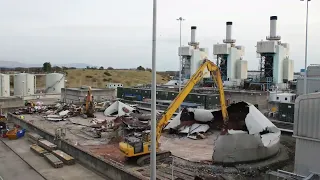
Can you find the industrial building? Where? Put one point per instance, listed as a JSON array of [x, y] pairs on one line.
[[4, 85], [54, 83], [192, 56], [230, 57], [24, 84], [275, 65], [313, 80]]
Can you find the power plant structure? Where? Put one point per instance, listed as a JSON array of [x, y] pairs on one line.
[[4, 85], [230, 57], [275, 65], [54, 83], [192, 56], [24, 84]]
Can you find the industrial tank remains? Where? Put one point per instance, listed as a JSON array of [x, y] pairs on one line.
[[24, 84], [54, 82], [4, 85]]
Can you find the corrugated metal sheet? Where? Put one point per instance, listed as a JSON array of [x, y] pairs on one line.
[[307, 132], [307, 157], [307, 116]]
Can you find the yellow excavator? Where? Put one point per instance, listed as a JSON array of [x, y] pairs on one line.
[[139, 146]]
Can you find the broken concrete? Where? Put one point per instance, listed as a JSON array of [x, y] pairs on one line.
[[260, 141]]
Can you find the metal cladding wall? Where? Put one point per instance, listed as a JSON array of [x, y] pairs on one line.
[[313, 85], [313, 71], [307, 132]]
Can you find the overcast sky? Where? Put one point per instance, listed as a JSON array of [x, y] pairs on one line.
[[118, 33]]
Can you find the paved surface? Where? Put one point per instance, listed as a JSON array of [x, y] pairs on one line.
[[73, 172], [12, 167]]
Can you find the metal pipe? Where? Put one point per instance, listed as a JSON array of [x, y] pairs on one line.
[[180, 58], [306, 52], [153, 169]]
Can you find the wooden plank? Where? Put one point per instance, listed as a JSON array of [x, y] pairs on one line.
[[53, 160], [38, 150], [64, 157], [47, 145], [33, 137]]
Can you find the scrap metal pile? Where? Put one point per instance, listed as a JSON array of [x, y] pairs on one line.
[[196, 122], [128, 117], [57, 112]]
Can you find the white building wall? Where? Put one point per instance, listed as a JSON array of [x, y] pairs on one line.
[[288, 70], [194, 61], [242, 69], [278, 65], [232, 63], [4, 85], [23, 84]]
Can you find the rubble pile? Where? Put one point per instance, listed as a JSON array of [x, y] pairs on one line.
[[196, 122], [56, 112]]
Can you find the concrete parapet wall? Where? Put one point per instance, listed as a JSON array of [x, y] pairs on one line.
[[11, 102], [78, 95], [260, 98], [107, 169], [42, 96], [147, 105]]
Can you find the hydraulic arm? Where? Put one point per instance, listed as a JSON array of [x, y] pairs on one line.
[[134, 146]]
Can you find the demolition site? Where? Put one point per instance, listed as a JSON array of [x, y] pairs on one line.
[[219, 122]]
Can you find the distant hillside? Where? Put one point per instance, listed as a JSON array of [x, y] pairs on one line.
[[100, 78], [15, 64]]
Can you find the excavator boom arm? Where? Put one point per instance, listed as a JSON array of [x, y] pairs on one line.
[[215, 73]]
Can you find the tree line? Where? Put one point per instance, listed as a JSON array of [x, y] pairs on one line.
[[48, 68]]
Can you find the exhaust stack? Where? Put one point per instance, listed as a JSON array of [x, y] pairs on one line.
[[193, 34], [193, 37], [273, 29], [229, 34]]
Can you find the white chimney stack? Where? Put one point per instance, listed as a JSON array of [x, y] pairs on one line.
[[193, 37], [229, 34], [193, 34], [273, 29]]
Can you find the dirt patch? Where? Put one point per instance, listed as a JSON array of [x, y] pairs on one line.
[[108, 152]]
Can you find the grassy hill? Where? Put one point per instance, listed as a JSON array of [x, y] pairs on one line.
[[99, 78]]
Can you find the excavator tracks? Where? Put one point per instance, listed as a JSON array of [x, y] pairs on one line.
[[143, 160]]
